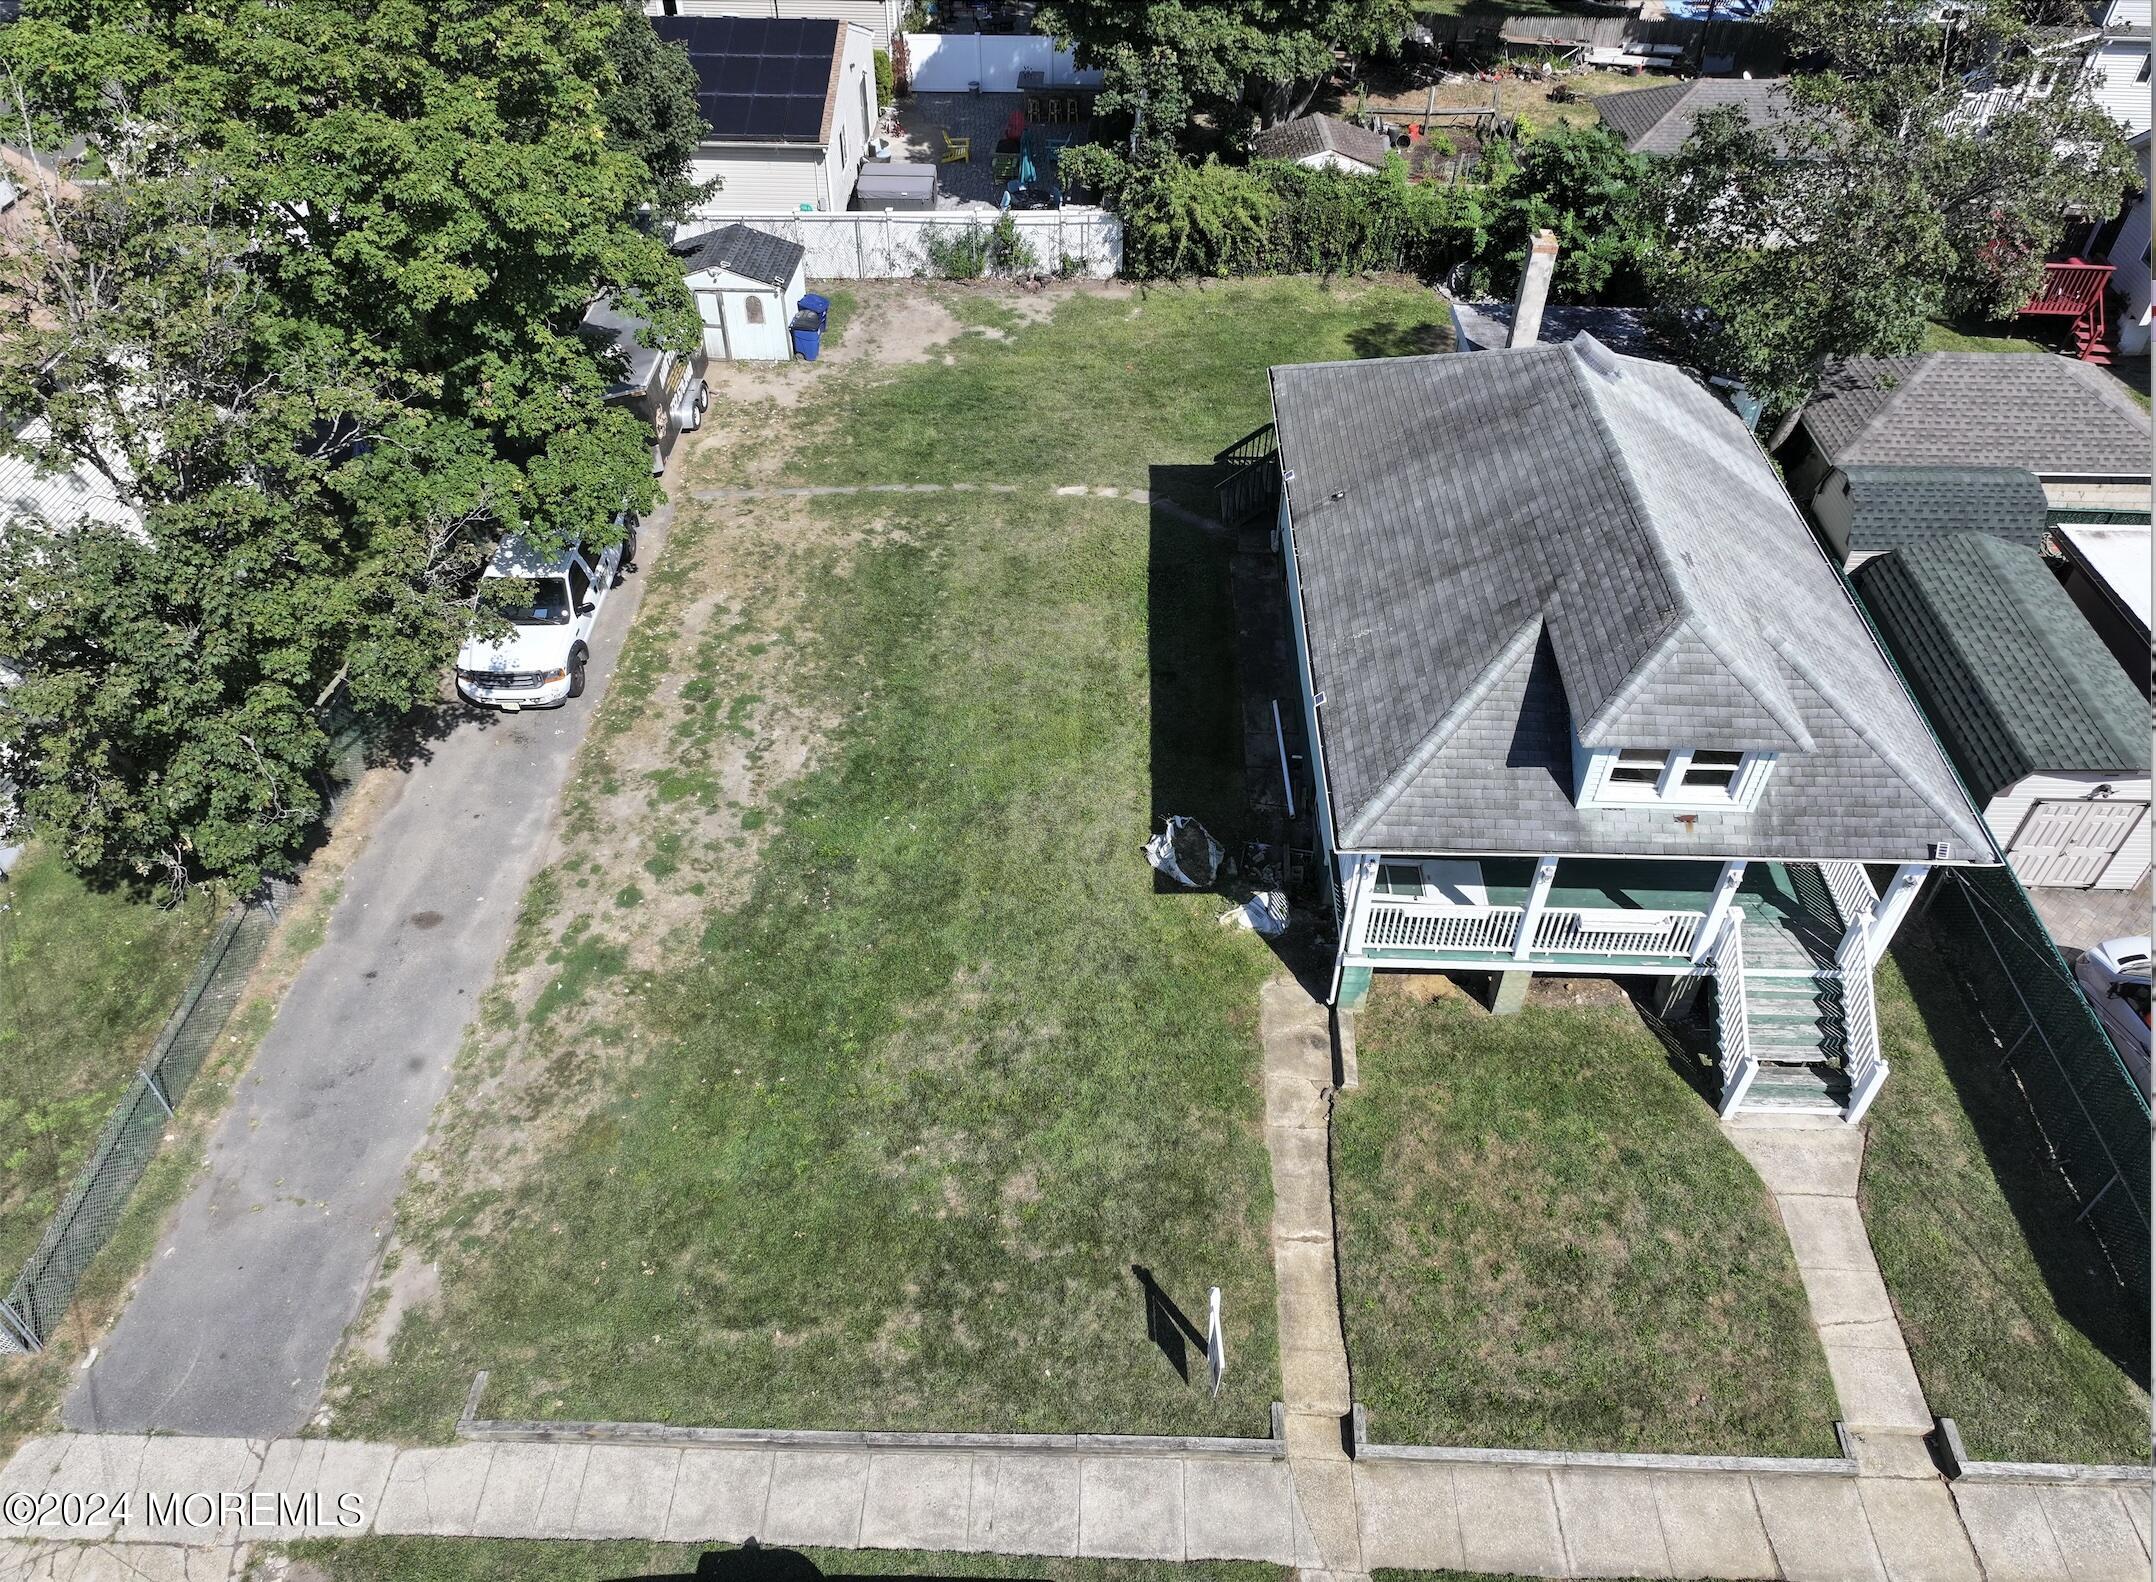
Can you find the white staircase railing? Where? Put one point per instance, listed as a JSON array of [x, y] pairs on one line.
[[1866, 1068], [1739, 1065], [1852, 890]]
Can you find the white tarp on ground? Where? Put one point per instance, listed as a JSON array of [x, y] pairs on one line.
[[889, 245], [953, 62], [1265, 913], [1185, 853]]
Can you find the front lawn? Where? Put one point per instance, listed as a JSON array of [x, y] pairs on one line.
[[2017, 1328], [1546, 1243], [538, 1560], [936, 1079], [90, 977]]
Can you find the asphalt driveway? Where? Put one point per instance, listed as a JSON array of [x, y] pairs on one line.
[[233, 1326]]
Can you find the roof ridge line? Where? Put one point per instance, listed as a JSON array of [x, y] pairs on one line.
[[1957, 818], [1925, 361], [1448, 724]]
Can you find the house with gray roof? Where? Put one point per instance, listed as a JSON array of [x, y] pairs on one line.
[[2050, 736], [2070, 423], [1323, 142], [1656, 121], [1585, 696], [1867, 510]]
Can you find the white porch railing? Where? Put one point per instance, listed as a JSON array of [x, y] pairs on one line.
[[1571, 931], [1558, 931], [1407, 926], [1739, 1065], [1851, 888], [1866, 1068]]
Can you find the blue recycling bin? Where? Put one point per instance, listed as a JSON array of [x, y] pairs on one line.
[[807, 332], [818, 305]]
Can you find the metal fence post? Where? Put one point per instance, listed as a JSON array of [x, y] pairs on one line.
[[17, 1331]]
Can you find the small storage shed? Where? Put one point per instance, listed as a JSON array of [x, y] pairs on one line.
[[1866, 511], [2050, 736], [747, 284]]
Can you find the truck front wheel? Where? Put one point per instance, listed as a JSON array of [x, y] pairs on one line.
[[576, 671]]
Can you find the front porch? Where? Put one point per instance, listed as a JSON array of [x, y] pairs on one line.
[[1789, 948], [1597, 915]]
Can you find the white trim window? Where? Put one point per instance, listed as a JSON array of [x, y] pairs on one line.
[[1705, 778]]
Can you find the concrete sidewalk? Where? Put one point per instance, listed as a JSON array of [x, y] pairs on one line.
[[1531, 1520], [233, 1325]]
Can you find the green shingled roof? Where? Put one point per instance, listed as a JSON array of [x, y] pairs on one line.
[[1893, 506], [2015, 681]]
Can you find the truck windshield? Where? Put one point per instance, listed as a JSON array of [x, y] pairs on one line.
[[527, 601]]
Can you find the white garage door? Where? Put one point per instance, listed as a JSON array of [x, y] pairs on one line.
[[2069, 844]]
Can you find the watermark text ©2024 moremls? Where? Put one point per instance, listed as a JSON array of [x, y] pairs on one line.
[[201, 1510]]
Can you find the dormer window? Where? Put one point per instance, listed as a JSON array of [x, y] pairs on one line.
[[1705, 778]]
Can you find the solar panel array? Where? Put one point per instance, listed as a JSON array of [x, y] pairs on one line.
[[758, 77]]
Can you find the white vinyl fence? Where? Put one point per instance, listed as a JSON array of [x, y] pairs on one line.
[[891, 245], [954, 62]]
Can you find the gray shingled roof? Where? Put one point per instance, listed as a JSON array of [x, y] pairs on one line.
[[1320, 134], [2054, 416], [1893, 506], [2014, 679], [745, 250], [1657, 120], [1500, 550]]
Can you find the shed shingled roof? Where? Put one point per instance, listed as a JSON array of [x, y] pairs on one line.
[[2053, 416], [1501, 550], [1893, 506], [1321, 134], [2014, 679], [1657, 120], [754, 254]]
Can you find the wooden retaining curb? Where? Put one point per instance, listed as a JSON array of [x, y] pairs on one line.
[[473, 1427], [1632, 1461], [1961, 1469]]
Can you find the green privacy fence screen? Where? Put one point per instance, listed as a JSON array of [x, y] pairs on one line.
[[2091, 1111]]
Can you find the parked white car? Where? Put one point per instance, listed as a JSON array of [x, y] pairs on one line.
[[2116, 977], [552, 604]]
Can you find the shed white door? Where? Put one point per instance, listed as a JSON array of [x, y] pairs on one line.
[[710, 306], [2069, 844]]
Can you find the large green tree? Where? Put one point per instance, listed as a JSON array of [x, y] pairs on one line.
[[1168, 61], [315, 324], [1582, 183]]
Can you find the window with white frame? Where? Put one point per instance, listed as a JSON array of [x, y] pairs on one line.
[[1681, 777]]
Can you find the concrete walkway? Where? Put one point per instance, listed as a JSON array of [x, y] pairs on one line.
[[1558, 1521], [233, 1325], [1297, 1035]]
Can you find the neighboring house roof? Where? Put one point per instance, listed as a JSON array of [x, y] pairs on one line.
[[1320, 134], [2013, 678], [762, 79], [1658, 120], [1632, 331], [2116, 556], [1502, 552], [2054, 416], [744, 250], [64, 497], [1893, 506]]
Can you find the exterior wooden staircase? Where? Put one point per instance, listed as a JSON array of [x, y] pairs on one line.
[[2075, 292]]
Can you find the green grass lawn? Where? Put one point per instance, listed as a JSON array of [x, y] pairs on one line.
[[90, 978], [2035, 1358], [925, 1099], [1978, 338], [538, 1560], [1119, 383], [1546, 1243]]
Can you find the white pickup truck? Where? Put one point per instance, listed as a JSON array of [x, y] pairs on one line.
[[551, 604]]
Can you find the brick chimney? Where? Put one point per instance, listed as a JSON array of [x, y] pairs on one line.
[[1534, 289]]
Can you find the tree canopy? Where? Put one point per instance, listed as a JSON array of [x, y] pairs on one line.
[[1167, 61], [317, 325]]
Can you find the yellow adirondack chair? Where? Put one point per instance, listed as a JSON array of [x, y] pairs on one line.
[[957, 150]]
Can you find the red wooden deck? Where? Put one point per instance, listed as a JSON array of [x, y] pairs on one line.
[[2075, 291]]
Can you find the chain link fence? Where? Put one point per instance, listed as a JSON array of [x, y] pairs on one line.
[[2088, 1105], [39, 1298]]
